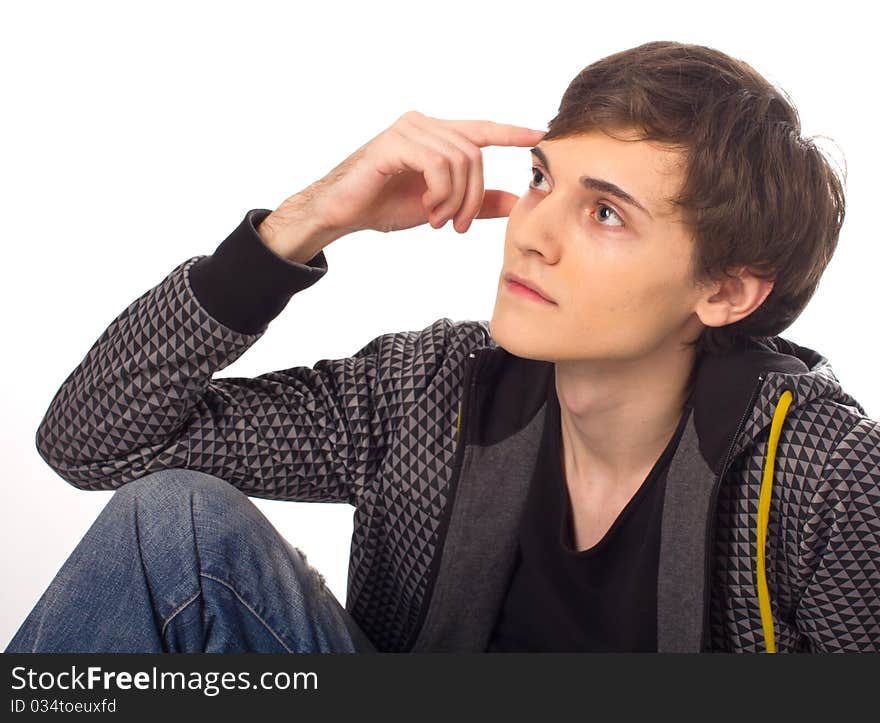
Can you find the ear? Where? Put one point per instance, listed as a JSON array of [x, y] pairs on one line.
[[732, 298]]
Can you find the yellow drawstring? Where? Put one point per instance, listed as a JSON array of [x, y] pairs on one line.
[[458, 423], [764, 515]]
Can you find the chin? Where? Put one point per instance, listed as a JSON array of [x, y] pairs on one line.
[[515, 338]]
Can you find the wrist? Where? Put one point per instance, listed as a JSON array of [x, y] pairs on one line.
[[295, 232]]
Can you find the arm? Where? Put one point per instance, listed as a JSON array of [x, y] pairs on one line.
[[840, 608], [143, 398]]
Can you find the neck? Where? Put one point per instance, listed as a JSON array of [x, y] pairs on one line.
[[618, 416]]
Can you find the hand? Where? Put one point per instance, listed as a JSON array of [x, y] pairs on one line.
[[419, 170]]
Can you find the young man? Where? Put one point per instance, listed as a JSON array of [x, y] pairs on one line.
[[627, 457]]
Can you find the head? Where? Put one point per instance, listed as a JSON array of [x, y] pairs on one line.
[[672, 204]]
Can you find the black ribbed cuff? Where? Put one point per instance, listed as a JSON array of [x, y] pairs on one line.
[[244, 284]]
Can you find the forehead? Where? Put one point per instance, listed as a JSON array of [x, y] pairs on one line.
[[649, 171]]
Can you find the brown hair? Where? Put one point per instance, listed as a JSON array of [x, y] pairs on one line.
[[755, 193]]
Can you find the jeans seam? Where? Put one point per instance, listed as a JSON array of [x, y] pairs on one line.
[[252, 611], [154, 608], [175, 612]]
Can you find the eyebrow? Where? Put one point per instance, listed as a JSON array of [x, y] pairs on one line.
[[599, 184]]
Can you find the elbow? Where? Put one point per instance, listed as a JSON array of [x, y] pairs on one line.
[[43, 441]]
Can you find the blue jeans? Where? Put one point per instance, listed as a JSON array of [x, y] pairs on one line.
[[181, 561]]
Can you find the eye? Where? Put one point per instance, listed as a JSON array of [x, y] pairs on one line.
[[599, 207], [536, 170]]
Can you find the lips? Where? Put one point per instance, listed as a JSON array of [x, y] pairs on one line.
[[528, 284]]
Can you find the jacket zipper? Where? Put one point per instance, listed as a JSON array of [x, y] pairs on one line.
[[710, 526], [470, 385]]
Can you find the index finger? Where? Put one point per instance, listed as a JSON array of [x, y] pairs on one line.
[[489, 133]]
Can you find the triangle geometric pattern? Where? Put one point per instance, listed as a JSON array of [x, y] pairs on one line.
[[822, 554]]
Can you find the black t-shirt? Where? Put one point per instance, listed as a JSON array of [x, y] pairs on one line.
[[603, 599]]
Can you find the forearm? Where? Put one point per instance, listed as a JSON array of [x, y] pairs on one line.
[[296, 230]]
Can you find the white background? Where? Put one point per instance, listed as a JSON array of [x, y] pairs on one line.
[[135, 137]]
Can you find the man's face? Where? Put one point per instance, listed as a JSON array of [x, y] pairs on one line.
[[620, 276]]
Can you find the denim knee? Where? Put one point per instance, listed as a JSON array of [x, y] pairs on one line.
[[178, 482], [174, 494], [185, 520], [236, 547], [183, 505]]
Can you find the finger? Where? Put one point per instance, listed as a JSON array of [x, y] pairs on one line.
[[488, 133], [497, 204], [463, 208], [473, 197], [450, 146], [432, 164]]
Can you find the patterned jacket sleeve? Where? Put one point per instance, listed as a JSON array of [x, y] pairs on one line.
[[143, 398], [839, 610]]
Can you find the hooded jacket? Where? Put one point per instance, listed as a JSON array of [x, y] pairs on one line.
[[770, 533]]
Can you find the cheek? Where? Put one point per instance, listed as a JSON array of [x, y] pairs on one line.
[[637, 292], [663, 300], [604, 280]]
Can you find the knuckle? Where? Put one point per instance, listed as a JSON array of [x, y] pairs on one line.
[[459, 157], [435, 159]]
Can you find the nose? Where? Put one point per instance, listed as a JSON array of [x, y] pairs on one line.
[[537, 227]]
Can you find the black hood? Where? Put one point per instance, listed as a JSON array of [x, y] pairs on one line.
[[725, 384]]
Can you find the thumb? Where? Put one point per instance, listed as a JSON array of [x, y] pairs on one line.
[[497, 204]]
